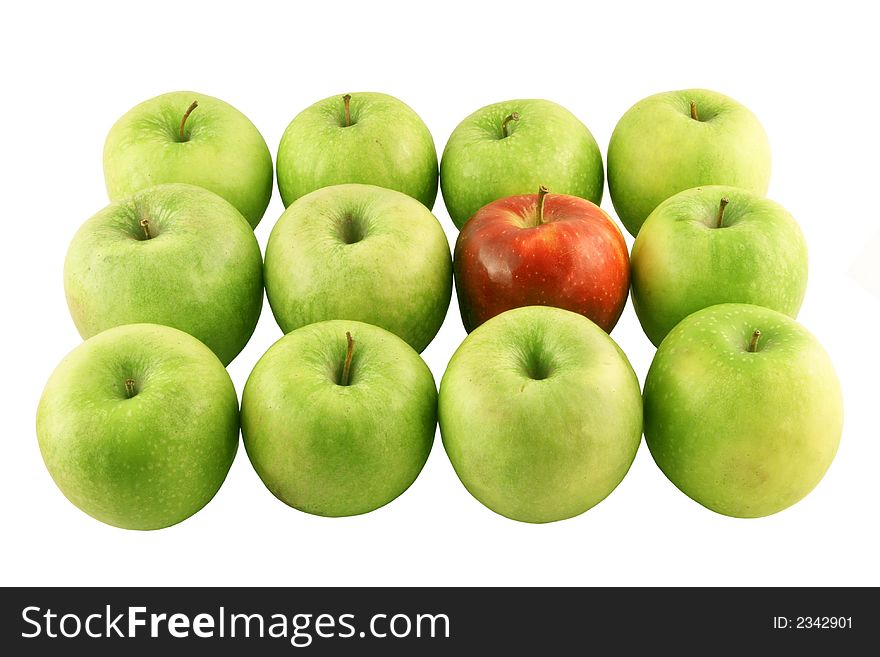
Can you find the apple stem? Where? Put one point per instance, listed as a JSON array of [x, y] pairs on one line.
[[753, 345], [542, 192], [694, 111], [346, 367], [129, 388], [189, 110], [145, 224], [346, 100], [719, 222], [514, 116]]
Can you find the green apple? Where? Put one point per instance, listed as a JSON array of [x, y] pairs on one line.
[[138, 426], [540, 413], [174, 254], [188, 137], [743, 410], [338, 417], [368, 138], [514, 147], [364, 253], [712, 245], [677, 140]]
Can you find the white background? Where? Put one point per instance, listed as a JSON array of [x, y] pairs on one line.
[[69, 70]]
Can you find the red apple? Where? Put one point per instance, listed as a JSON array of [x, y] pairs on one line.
[[541, 250]]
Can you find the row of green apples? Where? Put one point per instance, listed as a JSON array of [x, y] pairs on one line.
[[116, 275], [664, 144], [540, 414]]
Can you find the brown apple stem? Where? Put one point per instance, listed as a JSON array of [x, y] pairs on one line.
[[753, 345], [719, 221], [346, 100], [694, 111], [514, 116], [346, 367], [542, 192], [129, 388], [145, 224], [189, 110]]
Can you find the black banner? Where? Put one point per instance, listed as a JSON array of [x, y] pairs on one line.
[[407, 621]]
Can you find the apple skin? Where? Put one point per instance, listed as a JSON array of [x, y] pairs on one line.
[[223, 151], [576, 258], [364, 253], [548, 145], [743, 433], [332, 449], [540, 414], [201, 271], [387, 145], [144, 461], [658, 150], [682, 262]]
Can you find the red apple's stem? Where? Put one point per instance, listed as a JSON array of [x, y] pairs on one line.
[[189, 110], [145, 224], [346, 367], [719, 221], [753, 345], [129, 387], [542, 192], [346, 100], [694, 111], [514, 116]]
